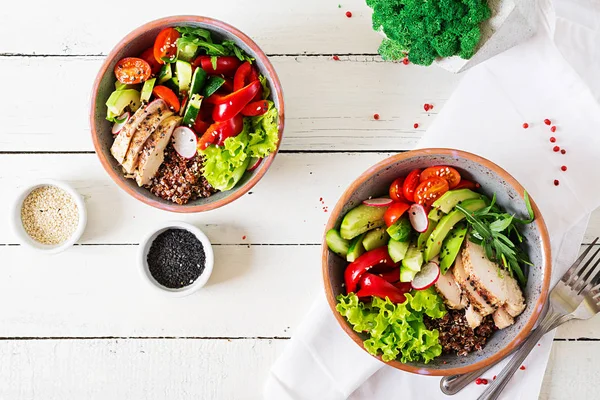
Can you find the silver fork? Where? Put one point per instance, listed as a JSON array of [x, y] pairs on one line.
[[575, 296]]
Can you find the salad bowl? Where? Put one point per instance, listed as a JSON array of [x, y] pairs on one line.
[[134, 44], [510, 195]]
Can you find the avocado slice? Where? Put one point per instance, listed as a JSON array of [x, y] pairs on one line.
[[336, 243], [361, 219], [147, 90], [119, 99], [356, 248], [375, 238], [397, 250], [434, 242], [425, 235], [451, 246], [452, 197]]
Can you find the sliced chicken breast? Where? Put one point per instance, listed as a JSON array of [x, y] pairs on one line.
[[479, 303], [121, 144], [141, 135], [491, 282], [153, 153], [502, 319], [452, 294], [474, 319]]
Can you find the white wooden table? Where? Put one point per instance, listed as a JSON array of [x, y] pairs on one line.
[[81, 325]]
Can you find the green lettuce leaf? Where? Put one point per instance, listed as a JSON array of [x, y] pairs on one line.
[[224, 166], [396, 330], [264, 132]]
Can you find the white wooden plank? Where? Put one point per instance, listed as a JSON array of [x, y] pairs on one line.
[[290, 191], [98, 291], [312, 26], [329, 104], [136, 369], [572, 371]]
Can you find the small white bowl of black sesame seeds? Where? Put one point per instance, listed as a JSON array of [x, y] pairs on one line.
[[49, 216], [176, 259]]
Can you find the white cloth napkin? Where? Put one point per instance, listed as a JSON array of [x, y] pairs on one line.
[[550, 76]]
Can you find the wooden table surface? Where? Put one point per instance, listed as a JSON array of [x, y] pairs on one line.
[[82, 325]]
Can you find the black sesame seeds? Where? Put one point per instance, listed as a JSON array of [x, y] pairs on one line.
[[176, 258]]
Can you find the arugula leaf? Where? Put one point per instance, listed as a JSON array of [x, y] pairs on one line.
[[529, 211], [501, 224]]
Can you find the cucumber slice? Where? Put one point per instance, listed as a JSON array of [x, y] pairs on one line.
[[192, 109], [422, 240], [120, 99], [213, 84], [336, 243], [165, 74], [356, 249], [183, 72], [413, 259], [397, 250], [407, 275], [361, 219], [122, 86], [401, 229], [147, 89], [451, 246], [375, 238], [198, 80], [173, 84], [187, 52]]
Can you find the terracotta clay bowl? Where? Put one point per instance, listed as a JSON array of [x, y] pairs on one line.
[[493, 179], [132, 45]]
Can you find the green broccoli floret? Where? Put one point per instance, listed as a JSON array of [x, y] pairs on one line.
[[468, 42], [390, 50], [422, 53], [426, 29], [446, 44]]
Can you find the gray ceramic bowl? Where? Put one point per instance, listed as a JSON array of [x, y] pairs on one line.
[[509, 193], [133, 45]]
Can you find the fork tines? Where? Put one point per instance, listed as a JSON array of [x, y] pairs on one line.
[[581, 274]]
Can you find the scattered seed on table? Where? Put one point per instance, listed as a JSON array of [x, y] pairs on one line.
[[556, 149], [375, 116], [405, 61], [563, 168], [553, 129], [552, 139], [563, 151], [522, 368], [547, 121], [49, 215], [176, 258], [525, 125], [348, 14], [426, 107], [416, 125], [336, 58], [556, 183]]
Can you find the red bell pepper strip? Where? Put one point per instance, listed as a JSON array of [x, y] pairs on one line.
[[373, 285], [200, 126], [219, 131], [255, 108], [392, 276], [227, 86], [356, 269], [255, 77], [232, 104], [404, 287], [226, 65], [242, 76]]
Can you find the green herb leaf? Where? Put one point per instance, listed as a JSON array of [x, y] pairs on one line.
[[529, 211], [500, 225], [213, 61]]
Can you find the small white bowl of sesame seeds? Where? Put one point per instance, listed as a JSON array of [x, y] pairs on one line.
[[49, 216]]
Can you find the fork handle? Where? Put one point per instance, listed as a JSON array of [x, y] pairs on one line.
[[551, 320]]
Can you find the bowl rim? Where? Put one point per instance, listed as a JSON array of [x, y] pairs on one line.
[[544, 240], [150, 199], [144, 248], [23, 236]]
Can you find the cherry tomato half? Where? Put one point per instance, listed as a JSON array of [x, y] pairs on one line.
[[132, 70], [448, 173], [465, 184], [168, 96], [148, 56], [410, 184], [396, 190], [430, 190], [394, 212], [165, 46]]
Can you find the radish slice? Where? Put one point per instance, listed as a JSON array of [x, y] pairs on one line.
[[254, 163], [184, 141], [428, 275], [418, 217], [120, 122], [379, 202]]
